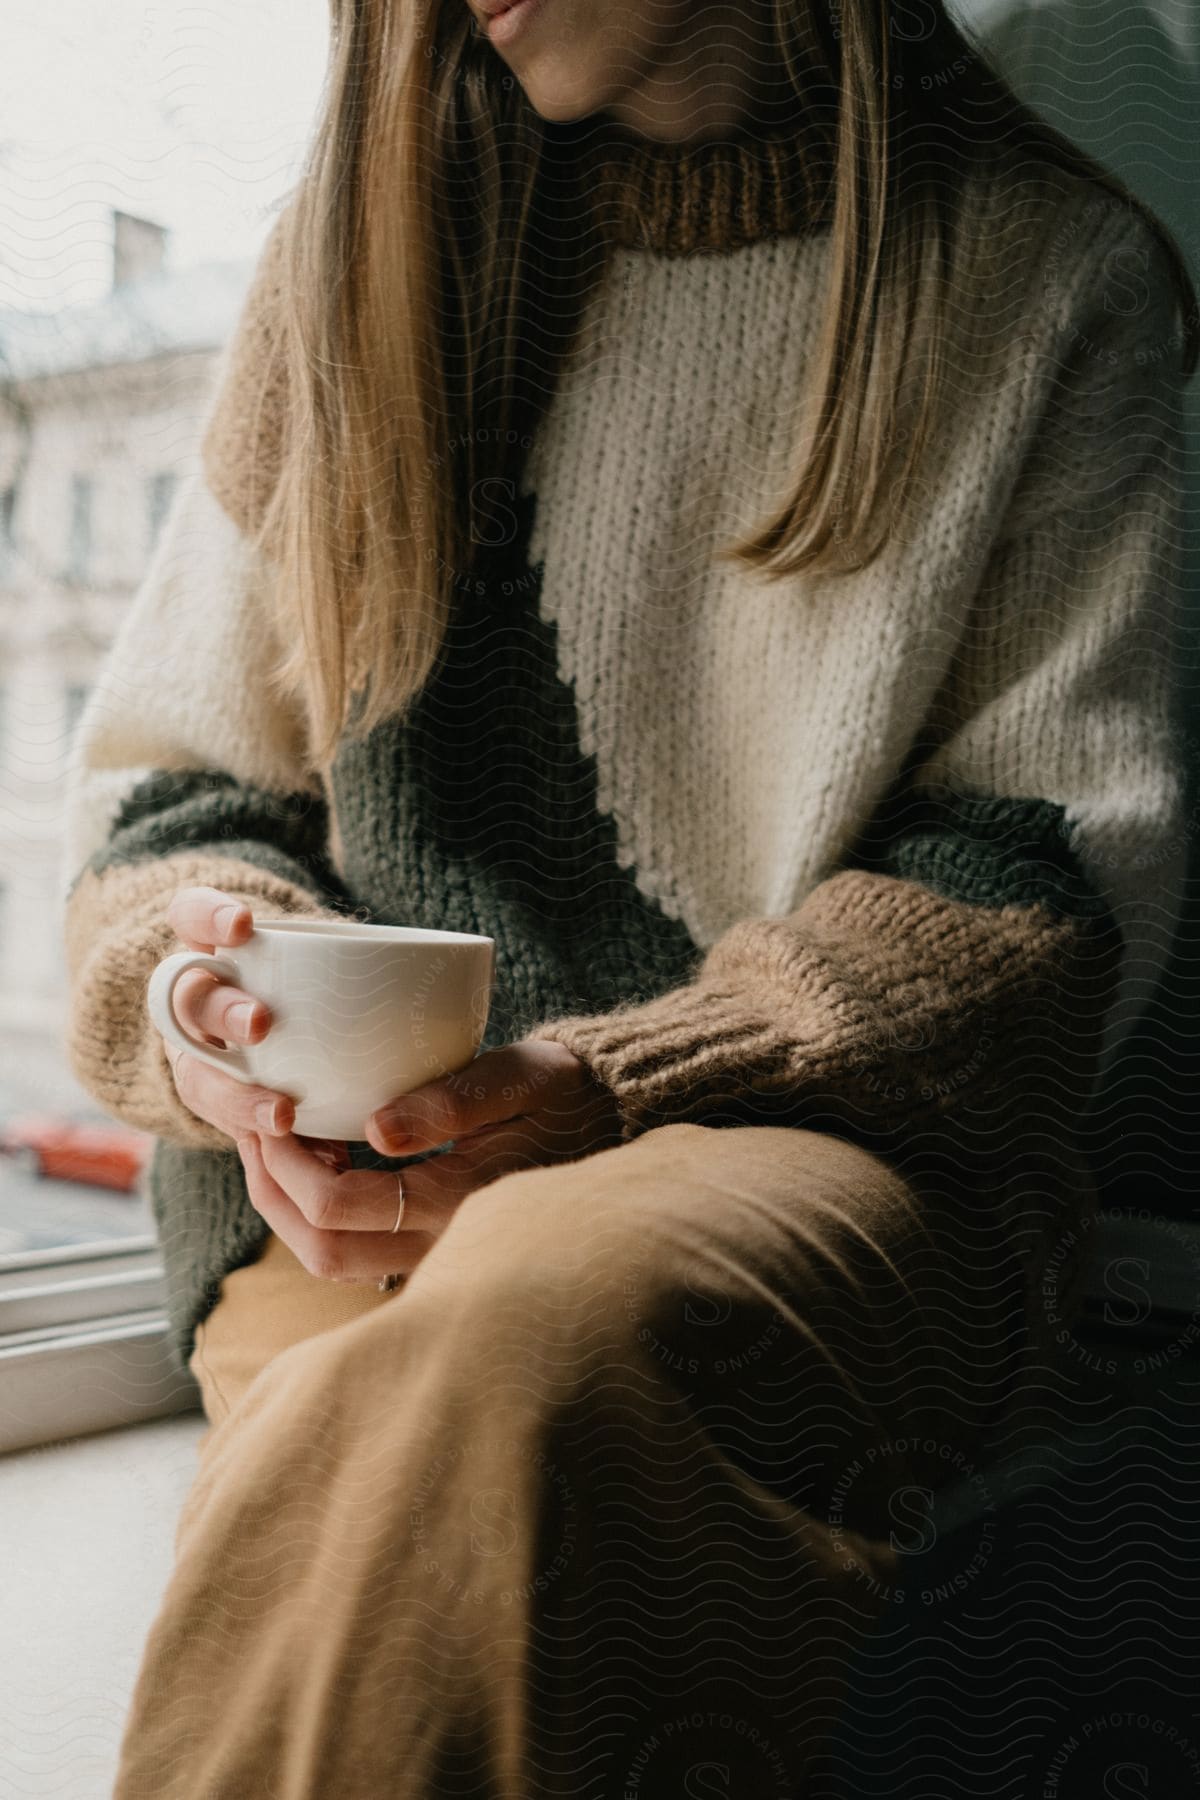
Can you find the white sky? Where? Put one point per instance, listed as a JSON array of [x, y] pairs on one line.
[[191, 112], [194, 113]]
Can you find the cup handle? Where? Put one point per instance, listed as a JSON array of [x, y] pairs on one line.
[[160, 998]]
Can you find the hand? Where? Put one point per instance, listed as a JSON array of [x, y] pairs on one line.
[[217, 1013], [524, 1106]]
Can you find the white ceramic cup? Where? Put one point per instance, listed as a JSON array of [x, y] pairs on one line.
[[360, 1013]]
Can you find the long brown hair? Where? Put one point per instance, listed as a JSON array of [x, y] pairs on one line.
[[439, 255]]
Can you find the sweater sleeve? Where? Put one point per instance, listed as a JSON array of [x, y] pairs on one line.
[[962, 961], [184, 770]]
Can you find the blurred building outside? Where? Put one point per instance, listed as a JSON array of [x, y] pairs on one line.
[[100, 411]]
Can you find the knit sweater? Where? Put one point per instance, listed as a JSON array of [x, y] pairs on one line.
[[884, 853]]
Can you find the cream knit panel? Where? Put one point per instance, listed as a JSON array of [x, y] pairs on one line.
[[721, 709], [1062, 686]]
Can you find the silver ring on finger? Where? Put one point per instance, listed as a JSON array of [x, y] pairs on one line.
[[389, 1283]]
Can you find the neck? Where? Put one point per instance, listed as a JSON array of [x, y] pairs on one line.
[[723, 72]]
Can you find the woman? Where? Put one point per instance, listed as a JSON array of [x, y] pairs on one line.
[[693, 496]]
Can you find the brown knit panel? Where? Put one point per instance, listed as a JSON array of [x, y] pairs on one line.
[[116, 933], [877, 1000], [243, 436]]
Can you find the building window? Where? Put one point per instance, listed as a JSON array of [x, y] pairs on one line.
[[160, 490], [79, 546], [75, 699], [8, 514]]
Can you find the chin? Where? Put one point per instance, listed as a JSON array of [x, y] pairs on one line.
[[559, 98], [559, 111]]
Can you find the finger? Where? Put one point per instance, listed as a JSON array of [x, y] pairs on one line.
[[232, 1106], [205, 917], [333, 1152], [358, 1200], [499, 1084], [500, 1149], [330, 1255], [216, 1011], [524, 1143]]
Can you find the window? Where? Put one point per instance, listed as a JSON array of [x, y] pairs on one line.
[[74, 701], [8, 514], [79, 543], [160, 490]]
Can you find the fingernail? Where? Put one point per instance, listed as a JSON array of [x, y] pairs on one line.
[[244, 1144], [269, 1115], [241, 1017], [225, 915], [391, 1129]]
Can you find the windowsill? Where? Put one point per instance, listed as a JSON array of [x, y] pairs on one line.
[[69, 1383], [95, 1521]]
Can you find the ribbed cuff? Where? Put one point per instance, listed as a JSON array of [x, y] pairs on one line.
[[671, 1057], [878, 1006]]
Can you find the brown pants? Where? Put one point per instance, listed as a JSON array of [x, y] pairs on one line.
[[598, 1503]]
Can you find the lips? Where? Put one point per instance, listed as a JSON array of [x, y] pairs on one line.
[[506, 21]]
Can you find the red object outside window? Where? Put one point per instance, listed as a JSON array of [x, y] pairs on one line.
[[99, 1155]]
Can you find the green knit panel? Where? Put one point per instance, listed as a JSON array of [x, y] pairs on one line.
[[981, 849], [171, 810], [206, 1226]]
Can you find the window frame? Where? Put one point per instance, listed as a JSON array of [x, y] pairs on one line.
[[85, 1344]]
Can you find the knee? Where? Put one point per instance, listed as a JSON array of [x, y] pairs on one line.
[[638, 1252], [574, 1268], [551, 1245]]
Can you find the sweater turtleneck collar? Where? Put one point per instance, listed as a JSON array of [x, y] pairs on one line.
[[756, 180]]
